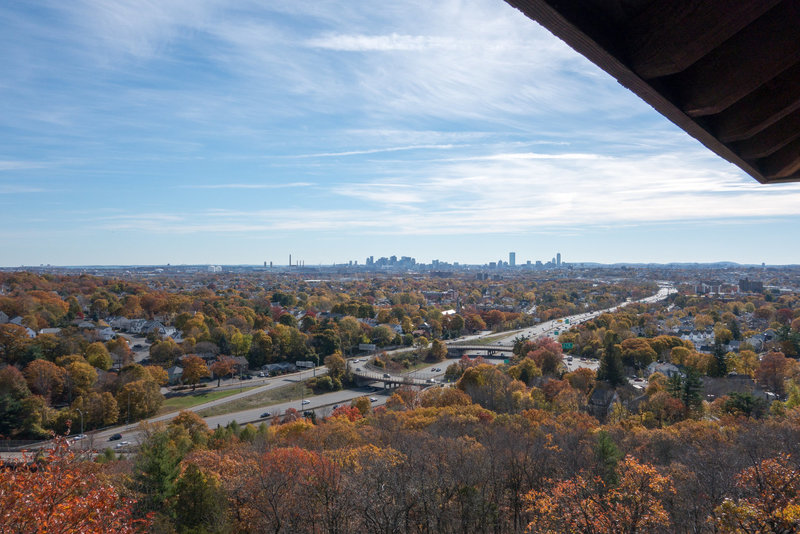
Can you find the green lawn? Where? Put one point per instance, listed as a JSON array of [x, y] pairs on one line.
[[286, 393], [174, 404]]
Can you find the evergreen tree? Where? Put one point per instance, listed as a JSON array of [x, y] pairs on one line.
[[611, 361], [720, 364], [736, 332], [155, 471], [607, 455], [199, 504]]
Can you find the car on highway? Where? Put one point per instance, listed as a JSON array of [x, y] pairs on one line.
[[121, 444], [305, 401], [79, 437], [373, 399], [387, 375], [266, 414], [115, 437]]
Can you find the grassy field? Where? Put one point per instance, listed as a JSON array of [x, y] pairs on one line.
[[174, 404], [286, 393]]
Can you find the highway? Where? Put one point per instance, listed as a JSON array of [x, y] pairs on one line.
[[323, 404]]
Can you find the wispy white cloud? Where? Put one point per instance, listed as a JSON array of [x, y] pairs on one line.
[[247, 186], [381, 43], [13, 165], [9, 189], [372, 151]]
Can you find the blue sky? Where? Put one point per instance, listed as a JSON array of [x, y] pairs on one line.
[[189, 131]]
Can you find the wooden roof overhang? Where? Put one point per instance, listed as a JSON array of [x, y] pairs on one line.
[[725, 71]]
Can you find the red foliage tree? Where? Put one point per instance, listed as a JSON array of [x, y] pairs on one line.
[[62, 494]]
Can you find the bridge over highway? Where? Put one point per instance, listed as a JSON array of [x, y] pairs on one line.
[[388, 380]]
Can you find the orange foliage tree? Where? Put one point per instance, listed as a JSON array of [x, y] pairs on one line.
[[60, 493], [771, 502], [587, 505]]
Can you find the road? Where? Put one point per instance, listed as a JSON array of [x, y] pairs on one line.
[[323, 404]]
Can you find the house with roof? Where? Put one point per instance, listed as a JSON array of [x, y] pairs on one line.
[[51, 331], [601, 401], [3, 318], [667, 369], [175, 374], [106, 333]]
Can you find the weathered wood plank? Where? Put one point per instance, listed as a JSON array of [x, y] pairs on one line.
[[759, 110], [772, 139], [741, 65], [670, 36], [783, 163]]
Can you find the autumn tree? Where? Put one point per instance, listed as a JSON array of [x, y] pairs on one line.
[[45, 378], [438, 351], [547, 354], [139, 399], [337, 366], [584, 504], [99, 409], [97, 355], [80, 376], [194, 368], [62, 494], [637, 352], [120, 352], [165, 352], [222, 366], [770, 500], [773, 369]]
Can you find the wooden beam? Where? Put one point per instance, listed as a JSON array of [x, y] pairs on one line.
[[789, 179], [759, 110], [751, 58], [669, 36], [770, 140], [548, 16], [783, 163]]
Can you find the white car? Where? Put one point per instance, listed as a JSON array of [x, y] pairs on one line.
[[373, 399], [79, 437], [121, 444], [305, 401]]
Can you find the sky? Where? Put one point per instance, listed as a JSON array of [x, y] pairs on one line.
[[202, 131]]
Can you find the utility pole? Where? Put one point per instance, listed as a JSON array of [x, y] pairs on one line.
[[81, 412]]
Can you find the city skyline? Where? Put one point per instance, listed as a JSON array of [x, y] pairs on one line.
[[198, 133]]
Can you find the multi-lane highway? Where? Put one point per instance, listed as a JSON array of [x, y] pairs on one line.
[[324, 404]]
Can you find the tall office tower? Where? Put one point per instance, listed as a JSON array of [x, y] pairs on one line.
[[558, 259], [512, 259]]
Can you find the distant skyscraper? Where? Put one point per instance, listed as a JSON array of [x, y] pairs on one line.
[[512, 259], [558, 259]]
